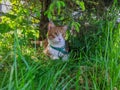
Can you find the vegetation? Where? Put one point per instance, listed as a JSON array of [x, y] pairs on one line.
[[94, 62]]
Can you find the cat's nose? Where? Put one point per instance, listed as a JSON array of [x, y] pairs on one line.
[[59, 39]]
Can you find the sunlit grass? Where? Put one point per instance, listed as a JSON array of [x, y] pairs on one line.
[[25, 67]]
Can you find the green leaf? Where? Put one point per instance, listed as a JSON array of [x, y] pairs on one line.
[[58, 6], [52, 7], [55, 5], [38, 14], [82, 5], [62, 3], [76, 25], [49, 15]]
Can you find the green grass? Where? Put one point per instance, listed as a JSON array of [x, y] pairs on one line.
[[97, 67]]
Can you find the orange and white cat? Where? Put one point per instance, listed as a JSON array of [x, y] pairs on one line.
[[55, 46]]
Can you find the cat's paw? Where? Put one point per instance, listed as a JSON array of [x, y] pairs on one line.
[[55, 58], [65, 57]]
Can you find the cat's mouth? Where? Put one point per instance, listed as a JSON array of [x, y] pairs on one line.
[[57, 41]]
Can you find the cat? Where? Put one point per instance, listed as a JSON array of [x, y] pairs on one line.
[[55, 45]]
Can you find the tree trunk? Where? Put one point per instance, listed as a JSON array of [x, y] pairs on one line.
[[43, 19], [0, 12]]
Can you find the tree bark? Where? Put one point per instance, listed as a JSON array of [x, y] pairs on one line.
[[0, 12], [43, 19]]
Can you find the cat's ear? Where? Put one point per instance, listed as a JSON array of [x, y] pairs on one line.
[[65, 27], [50, 25]]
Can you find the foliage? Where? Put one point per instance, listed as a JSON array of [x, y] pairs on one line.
[[94, 56]]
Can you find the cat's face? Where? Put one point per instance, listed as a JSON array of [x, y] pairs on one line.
[[56, 34]]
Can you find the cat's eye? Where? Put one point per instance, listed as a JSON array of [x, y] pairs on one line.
[[56, 33]]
